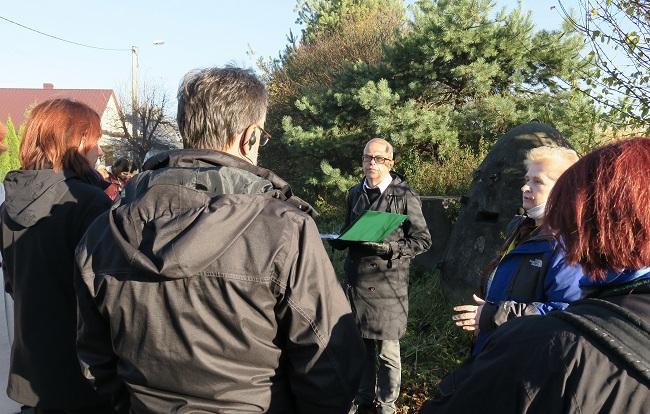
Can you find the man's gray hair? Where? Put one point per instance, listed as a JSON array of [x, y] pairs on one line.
[[389, 146], [216, 104]]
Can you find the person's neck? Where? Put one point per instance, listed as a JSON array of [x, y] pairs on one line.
[[374, 183], [234, 150]]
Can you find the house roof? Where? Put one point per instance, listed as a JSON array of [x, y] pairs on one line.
[[15, 101]]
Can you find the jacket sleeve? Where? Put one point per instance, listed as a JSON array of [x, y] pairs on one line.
[[348, 209], [8, 282], [561, 287], [494, 315], [416, 238], [8, 287], [322, 343], [504, 378], [94, 346]]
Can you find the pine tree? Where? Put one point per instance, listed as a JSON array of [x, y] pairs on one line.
[[448, 83]]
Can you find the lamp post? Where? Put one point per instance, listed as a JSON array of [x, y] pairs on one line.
[[134, 84], [134, 89]]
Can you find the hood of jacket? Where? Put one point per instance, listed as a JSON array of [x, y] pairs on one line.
[[31, 194], [188, 206]]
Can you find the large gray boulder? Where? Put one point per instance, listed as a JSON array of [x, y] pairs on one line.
[[493, 199]]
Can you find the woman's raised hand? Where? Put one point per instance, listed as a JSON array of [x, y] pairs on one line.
[[467, 316]]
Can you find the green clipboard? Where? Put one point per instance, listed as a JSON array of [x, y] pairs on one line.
[[373, 226]]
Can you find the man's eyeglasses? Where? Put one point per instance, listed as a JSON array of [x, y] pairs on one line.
[[265, 137], [378, 159]]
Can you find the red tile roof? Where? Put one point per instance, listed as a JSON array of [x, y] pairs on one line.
[[15, 101]]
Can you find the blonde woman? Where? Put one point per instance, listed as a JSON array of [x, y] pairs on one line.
[[529, 275]]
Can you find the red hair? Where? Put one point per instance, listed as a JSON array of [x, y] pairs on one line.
[[600, 208], [55, 131]]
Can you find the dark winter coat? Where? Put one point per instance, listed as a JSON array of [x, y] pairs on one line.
[[43, 218], [378, 286], [531, 279], [545, 365], [209, 290]]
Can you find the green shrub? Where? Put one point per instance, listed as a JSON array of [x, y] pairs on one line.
[[10, 159]]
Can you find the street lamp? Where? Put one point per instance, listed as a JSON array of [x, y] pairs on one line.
[[134, 83]]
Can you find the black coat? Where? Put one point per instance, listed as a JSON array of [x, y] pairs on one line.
[[209, 290], [378, 286], [542, 364], [43, 218]]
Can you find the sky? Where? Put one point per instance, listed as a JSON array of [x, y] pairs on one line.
[[196, 34]]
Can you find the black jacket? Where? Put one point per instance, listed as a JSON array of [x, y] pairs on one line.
[[378, 286], [542, 364], [43, 218], [208, 290]]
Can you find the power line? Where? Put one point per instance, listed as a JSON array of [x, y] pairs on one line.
[[61, 39]]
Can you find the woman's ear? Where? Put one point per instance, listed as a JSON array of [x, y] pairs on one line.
[[82, 145]]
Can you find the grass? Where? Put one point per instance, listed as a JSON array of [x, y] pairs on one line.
[[432, 345]]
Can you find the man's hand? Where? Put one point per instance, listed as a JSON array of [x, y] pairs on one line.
[[379, 249], [469, 315], [338, 244]]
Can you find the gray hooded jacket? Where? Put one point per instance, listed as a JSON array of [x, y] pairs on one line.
[[208, 290]]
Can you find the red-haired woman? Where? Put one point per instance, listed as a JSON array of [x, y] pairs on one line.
[[49, 204], [593, 357]]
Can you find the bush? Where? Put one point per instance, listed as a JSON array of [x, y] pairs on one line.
[[10, 159]]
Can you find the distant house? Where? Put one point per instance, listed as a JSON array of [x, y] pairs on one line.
[[16, 102]]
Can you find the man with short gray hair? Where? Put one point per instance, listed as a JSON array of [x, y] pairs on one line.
[[208, 288], [378, 274]]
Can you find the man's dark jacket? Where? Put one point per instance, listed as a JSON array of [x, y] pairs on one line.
[[378, 286], [209, 290], [542, 364], [43, 218]]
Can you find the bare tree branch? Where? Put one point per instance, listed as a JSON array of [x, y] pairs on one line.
[[155, 129], [618, 34]]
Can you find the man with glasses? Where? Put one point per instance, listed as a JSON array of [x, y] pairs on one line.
[[208, 289], [378, 273]]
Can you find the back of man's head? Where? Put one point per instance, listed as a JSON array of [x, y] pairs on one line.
[[216, 104]]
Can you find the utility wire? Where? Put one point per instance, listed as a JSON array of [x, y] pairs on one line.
[[61, 39]]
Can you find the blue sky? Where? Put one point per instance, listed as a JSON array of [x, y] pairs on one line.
[[196, 34]]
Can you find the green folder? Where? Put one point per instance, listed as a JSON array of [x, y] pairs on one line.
[[373, 226]]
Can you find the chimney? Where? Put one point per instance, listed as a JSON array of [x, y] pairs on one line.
[[48, 86]]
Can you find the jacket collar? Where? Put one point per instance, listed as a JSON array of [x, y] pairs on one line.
[[617, 278], [202, 158], [383, 185]]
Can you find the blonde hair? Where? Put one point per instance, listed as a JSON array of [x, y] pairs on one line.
[[561, 158], [544, 153]]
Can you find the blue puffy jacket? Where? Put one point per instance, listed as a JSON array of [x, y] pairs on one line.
[[531, 279]]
